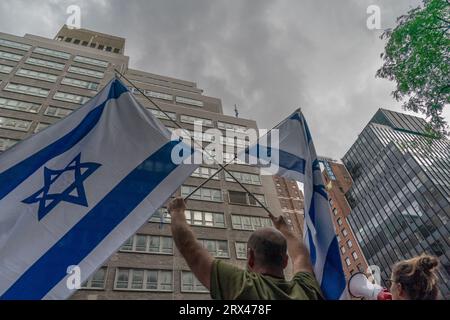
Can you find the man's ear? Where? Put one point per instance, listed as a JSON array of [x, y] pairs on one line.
[[285, 261], [251, 258]]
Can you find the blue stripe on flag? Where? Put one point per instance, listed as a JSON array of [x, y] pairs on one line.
[[312, 248], [14, 176], [97, 224], [286, 159], [333, 279], [320, 189], [292, 162], [316, 165], [296, 116], [312, 211]]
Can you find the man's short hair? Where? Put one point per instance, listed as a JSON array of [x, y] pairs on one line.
[[269, 246]]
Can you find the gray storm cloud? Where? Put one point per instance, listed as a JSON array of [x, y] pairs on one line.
[[269, 57]]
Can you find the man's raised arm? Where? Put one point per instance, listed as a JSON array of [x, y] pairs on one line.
[[198, 258], [297, 250]]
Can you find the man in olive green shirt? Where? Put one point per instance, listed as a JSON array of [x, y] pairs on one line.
[[266, 260]]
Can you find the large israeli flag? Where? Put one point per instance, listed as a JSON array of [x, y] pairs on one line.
[[296, 158], [74, 193]]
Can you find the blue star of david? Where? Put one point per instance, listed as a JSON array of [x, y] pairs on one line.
[[48, 201]]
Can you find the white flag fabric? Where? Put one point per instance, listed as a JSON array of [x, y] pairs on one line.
[[72, 194], [297, 160]]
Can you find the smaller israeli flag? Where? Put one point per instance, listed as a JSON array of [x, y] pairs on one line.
[[74, 193], [297, 160]]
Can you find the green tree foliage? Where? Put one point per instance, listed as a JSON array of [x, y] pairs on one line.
[[417, 58]]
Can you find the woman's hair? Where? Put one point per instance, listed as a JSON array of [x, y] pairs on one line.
[[418, 277]]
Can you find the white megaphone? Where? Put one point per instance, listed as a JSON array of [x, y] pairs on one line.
[[359, 286]]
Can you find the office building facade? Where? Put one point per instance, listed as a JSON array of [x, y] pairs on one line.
[[400, 197], [337, 183], [43, 80], [291, 202]]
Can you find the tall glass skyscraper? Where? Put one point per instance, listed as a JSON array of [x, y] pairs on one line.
[[400, 197]]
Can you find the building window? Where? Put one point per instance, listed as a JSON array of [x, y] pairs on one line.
[[343, 249], [6, 143], [339, 221], [148, 244], [338, 239], [349, 243], [41, 126], [242, 177], [250, 223], [15, 124], [14, 45], [437, 248], [198, 137], [355, 255], [205, 219], [158, 95], [161, 216], [80, 83], [164, 115], [69, 97], [36, 75], [189, 283], [84, 43], [203, 172], [10, 56], [233, 141], [347, 262], [116, 50], [19, 105], [101, 47], [96, 281], [93, 45], [108, 49], [335, 212], [344, 232], [28, 90], [45, 63], [193, 120], [57, 112], [52, 53], [241, 250], [76, 41], [143, 280], [230, 126], [217, 248], [203, 194], [5, 69], [87, 72], [91, 61], [68, 40], [243, 198], [191, 102]]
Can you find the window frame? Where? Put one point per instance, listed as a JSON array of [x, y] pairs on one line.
[[144, 280]]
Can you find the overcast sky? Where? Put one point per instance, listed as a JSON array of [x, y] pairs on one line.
[[267, 56]]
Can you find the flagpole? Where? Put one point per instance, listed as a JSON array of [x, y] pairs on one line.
[[222, 167]]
